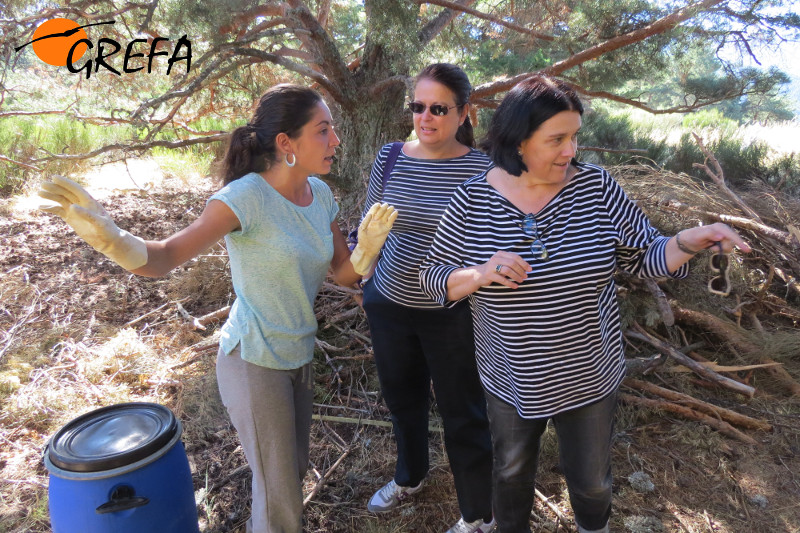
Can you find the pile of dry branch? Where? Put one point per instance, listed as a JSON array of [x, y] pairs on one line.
[[751, 334]]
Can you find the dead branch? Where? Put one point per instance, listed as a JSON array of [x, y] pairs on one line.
[[720, 412], [719, 425], [346, 290], [641, 334], [24, 165], [722, 368], [147, 314], [188, 317], [328, 347], [718, 177], [324, 478], [340, 317], [661, 302], [740, 222], [637, 151], [134, 147], [561, 518], [214, 316], [643, 365], [730, 334]]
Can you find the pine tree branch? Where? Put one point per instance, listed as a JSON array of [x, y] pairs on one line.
[[455, 6], [337, 77], [133, 147], [435, 26], [661, 25]]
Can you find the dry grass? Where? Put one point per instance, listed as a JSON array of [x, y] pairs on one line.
[[79, 333]]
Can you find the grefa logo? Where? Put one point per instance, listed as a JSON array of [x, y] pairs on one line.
[[62, 42]]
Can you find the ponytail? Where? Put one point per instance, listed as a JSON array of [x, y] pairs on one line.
[[465, 135], [285, 108], [244, 155]]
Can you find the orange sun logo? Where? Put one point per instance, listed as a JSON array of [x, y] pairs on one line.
[[54, 38]]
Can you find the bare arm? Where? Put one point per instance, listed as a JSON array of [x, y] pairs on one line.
[[341, 267], [216, 221], [699, 238]]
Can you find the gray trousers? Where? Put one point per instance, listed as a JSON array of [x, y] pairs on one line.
[[271, 411], [584, 448]]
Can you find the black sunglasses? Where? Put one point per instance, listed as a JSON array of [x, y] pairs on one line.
[[438, 110], [530, 229], [718, 263]]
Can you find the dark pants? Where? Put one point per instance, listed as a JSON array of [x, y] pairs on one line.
[[584, 449], [412, 347]]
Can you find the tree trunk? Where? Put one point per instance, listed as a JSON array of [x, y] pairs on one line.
[[370, 116]]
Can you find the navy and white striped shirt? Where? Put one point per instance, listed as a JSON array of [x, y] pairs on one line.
[[420, 190], [554, 343]]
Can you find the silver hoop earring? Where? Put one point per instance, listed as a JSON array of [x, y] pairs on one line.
[[286, 159]]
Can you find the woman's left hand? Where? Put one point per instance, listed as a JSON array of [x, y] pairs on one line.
[[702, 237]]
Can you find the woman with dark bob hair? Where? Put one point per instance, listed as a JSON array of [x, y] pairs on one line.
[[534, 243], [280, 230]]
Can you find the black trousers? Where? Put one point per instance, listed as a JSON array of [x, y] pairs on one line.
[[412, 348], [584, 449]]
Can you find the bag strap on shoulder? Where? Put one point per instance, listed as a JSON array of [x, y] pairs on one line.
[[391, 159]]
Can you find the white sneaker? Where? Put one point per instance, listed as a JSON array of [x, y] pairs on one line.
[[478, 526], [390, 496]]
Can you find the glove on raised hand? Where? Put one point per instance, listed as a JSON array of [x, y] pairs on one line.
[[372, 234], [91, 222]]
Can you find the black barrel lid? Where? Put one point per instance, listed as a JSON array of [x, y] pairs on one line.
[[112, 437]]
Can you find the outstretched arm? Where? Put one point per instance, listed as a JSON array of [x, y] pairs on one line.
[[148, 258]]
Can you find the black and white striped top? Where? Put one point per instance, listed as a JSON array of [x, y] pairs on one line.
[[555, 342], [420, 190]]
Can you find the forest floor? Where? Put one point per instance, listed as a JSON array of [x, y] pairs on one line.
[[79, 333]]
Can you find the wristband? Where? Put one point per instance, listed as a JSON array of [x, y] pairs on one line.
[[682, 247]]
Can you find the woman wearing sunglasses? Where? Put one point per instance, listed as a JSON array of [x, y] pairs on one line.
[[534, 243], [415, 339]]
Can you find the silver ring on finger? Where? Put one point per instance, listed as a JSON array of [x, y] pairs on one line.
[[498, 268]]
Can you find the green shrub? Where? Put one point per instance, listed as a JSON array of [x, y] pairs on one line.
[[708, 119], [740, 161], [602, 129]]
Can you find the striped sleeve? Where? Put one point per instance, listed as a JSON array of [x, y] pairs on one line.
[[642, 249], [447, 249]]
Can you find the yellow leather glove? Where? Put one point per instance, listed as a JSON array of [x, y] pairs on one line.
[[372, 233], [92, 224]]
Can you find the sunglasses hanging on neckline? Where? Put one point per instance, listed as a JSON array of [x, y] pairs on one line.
[[531, 229], [718, 263]]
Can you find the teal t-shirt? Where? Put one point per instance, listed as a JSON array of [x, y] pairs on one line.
[[279, 259]]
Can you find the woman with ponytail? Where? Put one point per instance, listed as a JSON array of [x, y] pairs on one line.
[[414, 338], [279, 226]]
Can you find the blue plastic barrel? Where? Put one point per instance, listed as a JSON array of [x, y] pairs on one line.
[[121, 469]]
